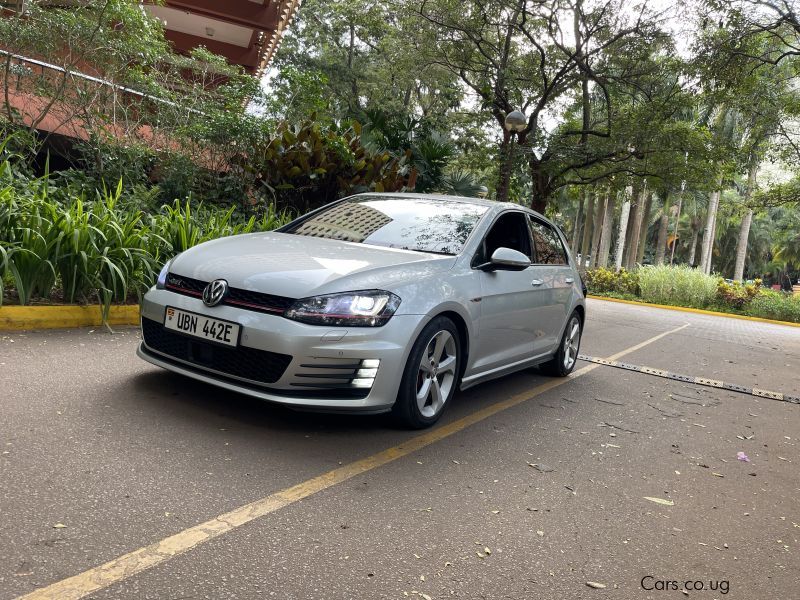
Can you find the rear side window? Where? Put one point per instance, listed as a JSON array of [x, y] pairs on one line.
[[548, 246]]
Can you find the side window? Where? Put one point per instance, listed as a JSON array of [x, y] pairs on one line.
[[549, 249], [509, 231]]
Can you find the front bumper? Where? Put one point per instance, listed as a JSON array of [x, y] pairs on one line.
[[328, 367]]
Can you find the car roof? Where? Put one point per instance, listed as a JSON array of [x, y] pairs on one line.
[[447, 198]]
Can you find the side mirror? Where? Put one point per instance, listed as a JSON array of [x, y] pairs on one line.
[[506, 259]]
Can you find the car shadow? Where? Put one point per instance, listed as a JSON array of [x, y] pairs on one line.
[[174, 396]]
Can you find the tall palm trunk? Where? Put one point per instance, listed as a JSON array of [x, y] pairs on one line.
[[693, 243], [636, 229], [624, 217], [747, 220], [663, 227], [629, 235], [648, 205], [576, 229], [605, 232], [588, 226], [741, 247], [600, 213], [708, 233]]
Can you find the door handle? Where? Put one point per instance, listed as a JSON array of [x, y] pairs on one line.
[[537, 282], [569, 280]]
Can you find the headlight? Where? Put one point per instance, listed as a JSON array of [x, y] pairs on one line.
[[369, 308], [161, 282]]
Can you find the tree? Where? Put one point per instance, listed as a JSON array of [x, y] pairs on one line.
[[109, 40], [513, 54]]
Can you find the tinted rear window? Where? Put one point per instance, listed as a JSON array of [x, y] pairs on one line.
[[422, 224]]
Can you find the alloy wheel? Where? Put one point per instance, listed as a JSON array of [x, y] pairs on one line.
[[437, 373], [572, 341]]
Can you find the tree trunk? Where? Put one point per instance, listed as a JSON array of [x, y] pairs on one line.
[[675, 231], [648, 206], [504, 180], [693, 245], [629, 247], [744, 230], [588, 225], [741, 247], [624, 217], [708, 233], [540, 184], [636, 228], [576, 229], [605, 232], [599, 216], [663, 228]]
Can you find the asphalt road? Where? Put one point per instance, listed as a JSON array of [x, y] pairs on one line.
[[102, 454]]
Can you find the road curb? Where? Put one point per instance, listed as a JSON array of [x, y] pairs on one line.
[[17, 318], [698, 311]]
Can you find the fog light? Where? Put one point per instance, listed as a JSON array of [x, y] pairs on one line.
[[362, 383], [370, 363], [367, 373]]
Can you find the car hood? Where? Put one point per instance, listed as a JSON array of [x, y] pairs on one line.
[[301, 266]]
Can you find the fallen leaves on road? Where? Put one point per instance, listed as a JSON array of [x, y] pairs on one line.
[[717, 474], [595, 585], [542, 468], [59, 526], [660, 501]]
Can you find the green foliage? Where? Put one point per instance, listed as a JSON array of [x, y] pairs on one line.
[[780, 306], [780, 194], [104, 248], [603, 281], [180, 226], [307, 165], [461, 183], [736, 294], [678, 285], [684, 286]]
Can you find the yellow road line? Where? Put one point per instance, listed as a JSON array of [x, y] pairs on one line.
[[127, 565], [698, 311]]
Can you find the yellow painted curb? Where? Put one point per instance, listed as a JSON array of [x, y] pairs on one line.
[[698, 311], [55, 317]]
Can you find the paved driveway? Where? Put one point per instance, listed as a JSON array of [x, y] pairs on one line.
[[103, 455]]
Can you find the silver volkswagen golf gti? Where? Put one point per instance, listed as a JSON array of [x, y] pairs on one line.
[[374, 303]]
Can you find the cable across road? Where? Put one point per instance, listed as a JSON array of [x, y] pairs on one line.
[[704, 381]]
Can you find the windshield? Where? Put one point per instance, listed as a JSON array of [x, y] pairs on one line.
[[422, 224]]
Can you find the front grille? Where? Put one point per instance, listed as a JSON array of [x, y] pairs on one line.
[[247, 363], [238, 297]]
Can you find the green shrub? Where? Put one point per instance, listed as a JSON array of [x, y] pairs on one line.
[[737, 295], [181, 225], [677, 285], [604, 281], [105, 248], [780, 306]]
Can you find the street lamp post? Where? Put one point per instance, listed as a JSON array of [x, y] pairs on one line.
[[515, 122]]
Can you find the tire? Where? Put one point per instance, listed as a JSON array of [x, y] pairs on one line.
[[430, 377], [564, 361]]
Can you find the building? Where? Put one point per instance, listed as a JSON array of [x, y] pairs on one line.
[[245, 32]]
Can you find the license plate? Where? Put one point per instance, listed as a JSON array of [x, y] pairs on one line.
[[201, 326]]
